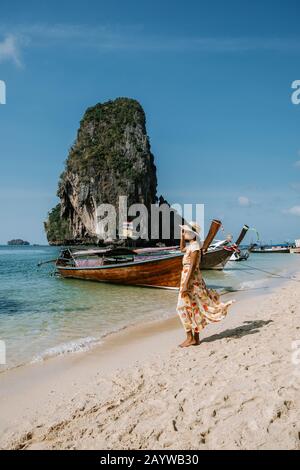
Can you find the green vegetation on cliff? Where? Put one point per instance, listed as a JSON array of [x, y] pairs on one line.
[[56, 227], [100, 144]]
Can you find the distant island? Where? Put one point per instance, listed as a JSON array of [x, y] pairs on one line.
[[18, 242]]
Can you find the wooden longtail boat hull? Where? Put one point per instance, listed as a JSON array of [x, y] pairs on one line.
[[215, 259], [162, 272]]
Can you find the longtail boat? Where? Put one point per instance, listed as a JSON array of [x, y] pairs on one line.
[[264, 249], [118, 267], [238, 254], [152, 267], [296, 247]]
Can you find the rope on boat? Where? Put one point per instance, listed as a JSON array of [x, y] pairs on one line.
[[288, 278], [41, 263]]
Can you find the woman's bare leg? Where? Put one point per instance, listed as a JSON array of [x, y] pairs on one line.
[[196, 338], [189, 340]]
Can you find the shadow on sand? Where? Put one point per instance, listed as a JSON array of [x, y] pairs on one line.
[[248, 328]]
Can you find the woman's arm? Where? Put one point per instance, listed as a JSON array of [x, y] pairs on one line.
[[193, 265], [182, 242]]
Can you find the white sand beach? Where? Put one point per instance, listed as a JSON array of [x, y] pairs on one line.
[[238, 390]]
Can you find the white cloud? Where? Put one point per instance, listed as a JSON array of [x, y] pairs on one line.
[[295, 210], [133, 37], [103, 38], [244, 201], [9, 50], [297, 163]]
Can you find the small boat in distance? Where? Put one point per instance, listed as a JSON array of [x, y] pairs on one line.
[[296, 248], [152, 267], [284, 248]]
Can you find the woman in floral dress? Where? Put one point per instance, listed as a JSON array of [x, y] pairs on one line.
[[197, 305]]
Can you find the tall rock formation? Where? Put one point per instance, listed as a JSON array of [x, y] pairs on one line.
[[111, 157]]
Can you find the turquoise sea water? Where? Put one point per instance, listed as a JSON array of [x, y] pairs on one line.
[[42, 315]]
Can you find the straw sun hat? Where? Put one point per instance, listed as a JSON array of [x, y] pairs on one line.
[[192, 227]]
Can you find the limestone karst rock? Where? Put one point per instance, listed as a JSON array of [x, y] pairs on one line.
[[111, 157]]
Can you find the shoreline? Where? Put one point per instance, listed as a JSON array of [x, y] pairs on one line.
[[148, 326], [35, 398], [84, 345], [71, 317]]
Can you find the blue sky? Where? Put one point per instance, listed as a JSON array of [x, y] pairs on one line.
[[213, 77]]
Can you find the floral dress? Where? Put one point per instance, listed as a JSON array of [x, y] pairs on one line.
[[201, 305]]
